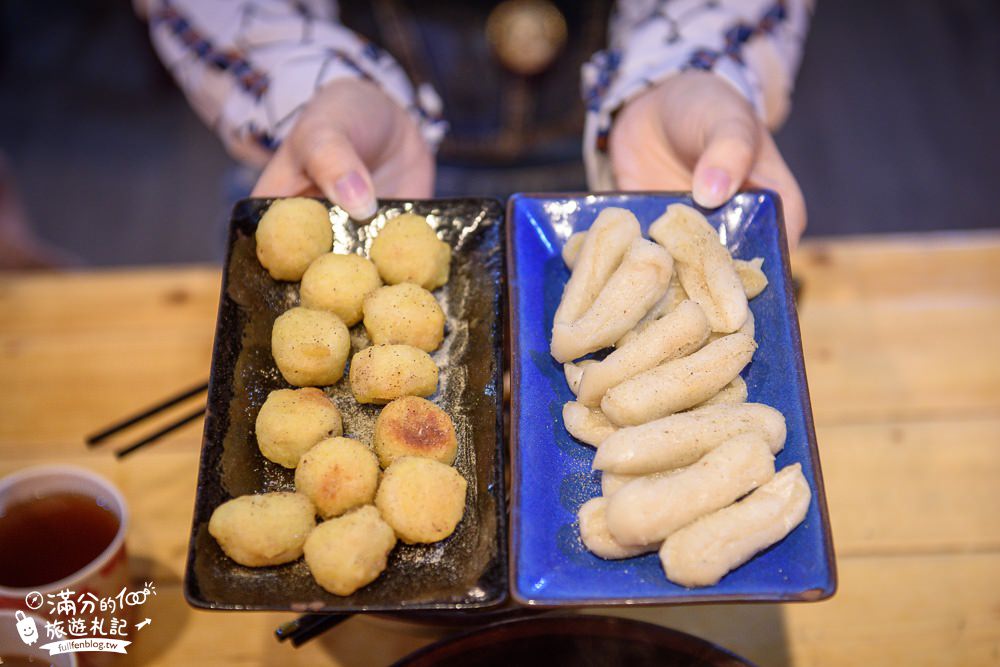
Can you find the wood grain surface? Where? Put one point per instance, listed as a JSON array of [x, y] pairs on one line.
[[903, 355]]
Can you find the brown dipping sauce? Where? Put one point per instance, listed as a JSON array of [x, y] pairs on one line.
[[47, 539]]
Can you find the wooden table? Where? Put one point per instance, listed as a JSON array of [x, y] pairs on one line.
[[901, 340]]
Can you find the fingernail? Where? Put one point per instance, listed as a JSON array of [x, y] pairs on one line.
[[355, 196], [712, 189]]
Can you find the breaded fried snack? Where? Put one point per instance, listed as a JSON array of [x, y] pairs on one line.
[[310, 347], [407, 250], [349, 552], [404, 314], [704, 266], [337, 474], [291, 234], [339, 283], [649, 509], [413, 426], [701, 553], [421, 499], [263, 529], [291, 421], [383, 373]]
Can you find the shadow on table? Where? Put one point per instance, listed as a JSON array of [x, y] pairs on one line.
[[167, 619]]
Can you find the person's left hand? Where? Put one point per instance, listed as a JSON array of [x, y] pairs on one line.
[[695, 132]]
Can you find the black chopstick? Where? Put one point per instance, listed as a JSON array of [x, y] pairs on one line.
[[305, 627], [146, 414], [172, 426]]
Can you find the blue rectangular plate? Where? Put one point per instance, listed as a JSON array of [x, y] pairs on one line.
[[551, 475]]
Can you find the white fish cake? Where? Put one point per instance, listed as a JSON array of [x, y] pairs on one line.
[[680, 383], [734, 392], [339, 283], [413, 426], [649, 509], [574, 373], [310, 347], [703, 552], [571, 249], [600, 254], [595, 536], [349, 552], [612, 481], [423, 500], [291, 234], [588, 425], [751, 275], [383, 373], [673, 297], [264, 529], [675, 335], [638, 282], [704, 266], [407, 250], [404, 314], [749, 328], [681, 439], [337, 474], [291, 421]]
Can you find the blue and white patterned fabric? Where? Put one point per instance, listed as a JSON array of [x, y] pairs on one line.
[[249, 66]]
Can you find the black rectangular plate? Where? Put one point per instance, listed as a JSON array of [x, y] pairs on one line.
[[467, 570]]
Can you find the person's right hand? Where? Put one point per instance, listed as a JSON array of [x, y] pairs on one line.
[[351, 143]]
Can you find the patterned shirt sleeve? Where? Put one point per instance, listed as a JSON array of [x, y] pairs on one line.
[[248, 67], [754, 45]]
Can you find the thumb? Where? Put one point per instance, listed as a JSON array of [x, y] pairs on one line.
[[731, 145], [334, 166]]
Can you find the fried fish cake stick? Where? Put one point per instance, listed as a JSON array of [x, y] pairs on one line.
[[751, 275], [649, 509], [701, 553], [732, 393], [704, 266], [588, 425], [612, 481], [571, 248], [675, 335], [681, 439], [668, 302], [678, 384], [595, 536], [638, 282], [602, 251], [574, 373]]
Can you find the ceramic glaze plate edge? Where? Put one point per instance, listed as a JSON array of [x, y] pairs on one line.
[[551, 475], [467, 570]]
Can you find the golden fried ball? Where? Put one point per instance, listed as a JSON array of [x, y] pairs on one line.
[[406, 314], [407, 250], [421, 499], [339, 284], [413, 426], [291, 421], [382, 373], [349, 552], [291, 234], [264, 529], [310, 347], [337, 474]]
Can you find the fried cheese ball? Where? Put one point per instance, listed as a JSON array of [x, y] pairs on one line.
[[337, 474], [310, 347], [339, 284], [383, 373], [263, 529], [407, 250], [421, 499], [291, 421], [349, 552], [404, 314], [291, 234], [413, 426]]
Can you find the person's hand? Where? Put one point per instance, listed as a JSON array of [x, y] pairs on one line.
[[351, 143], [695, 132]]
